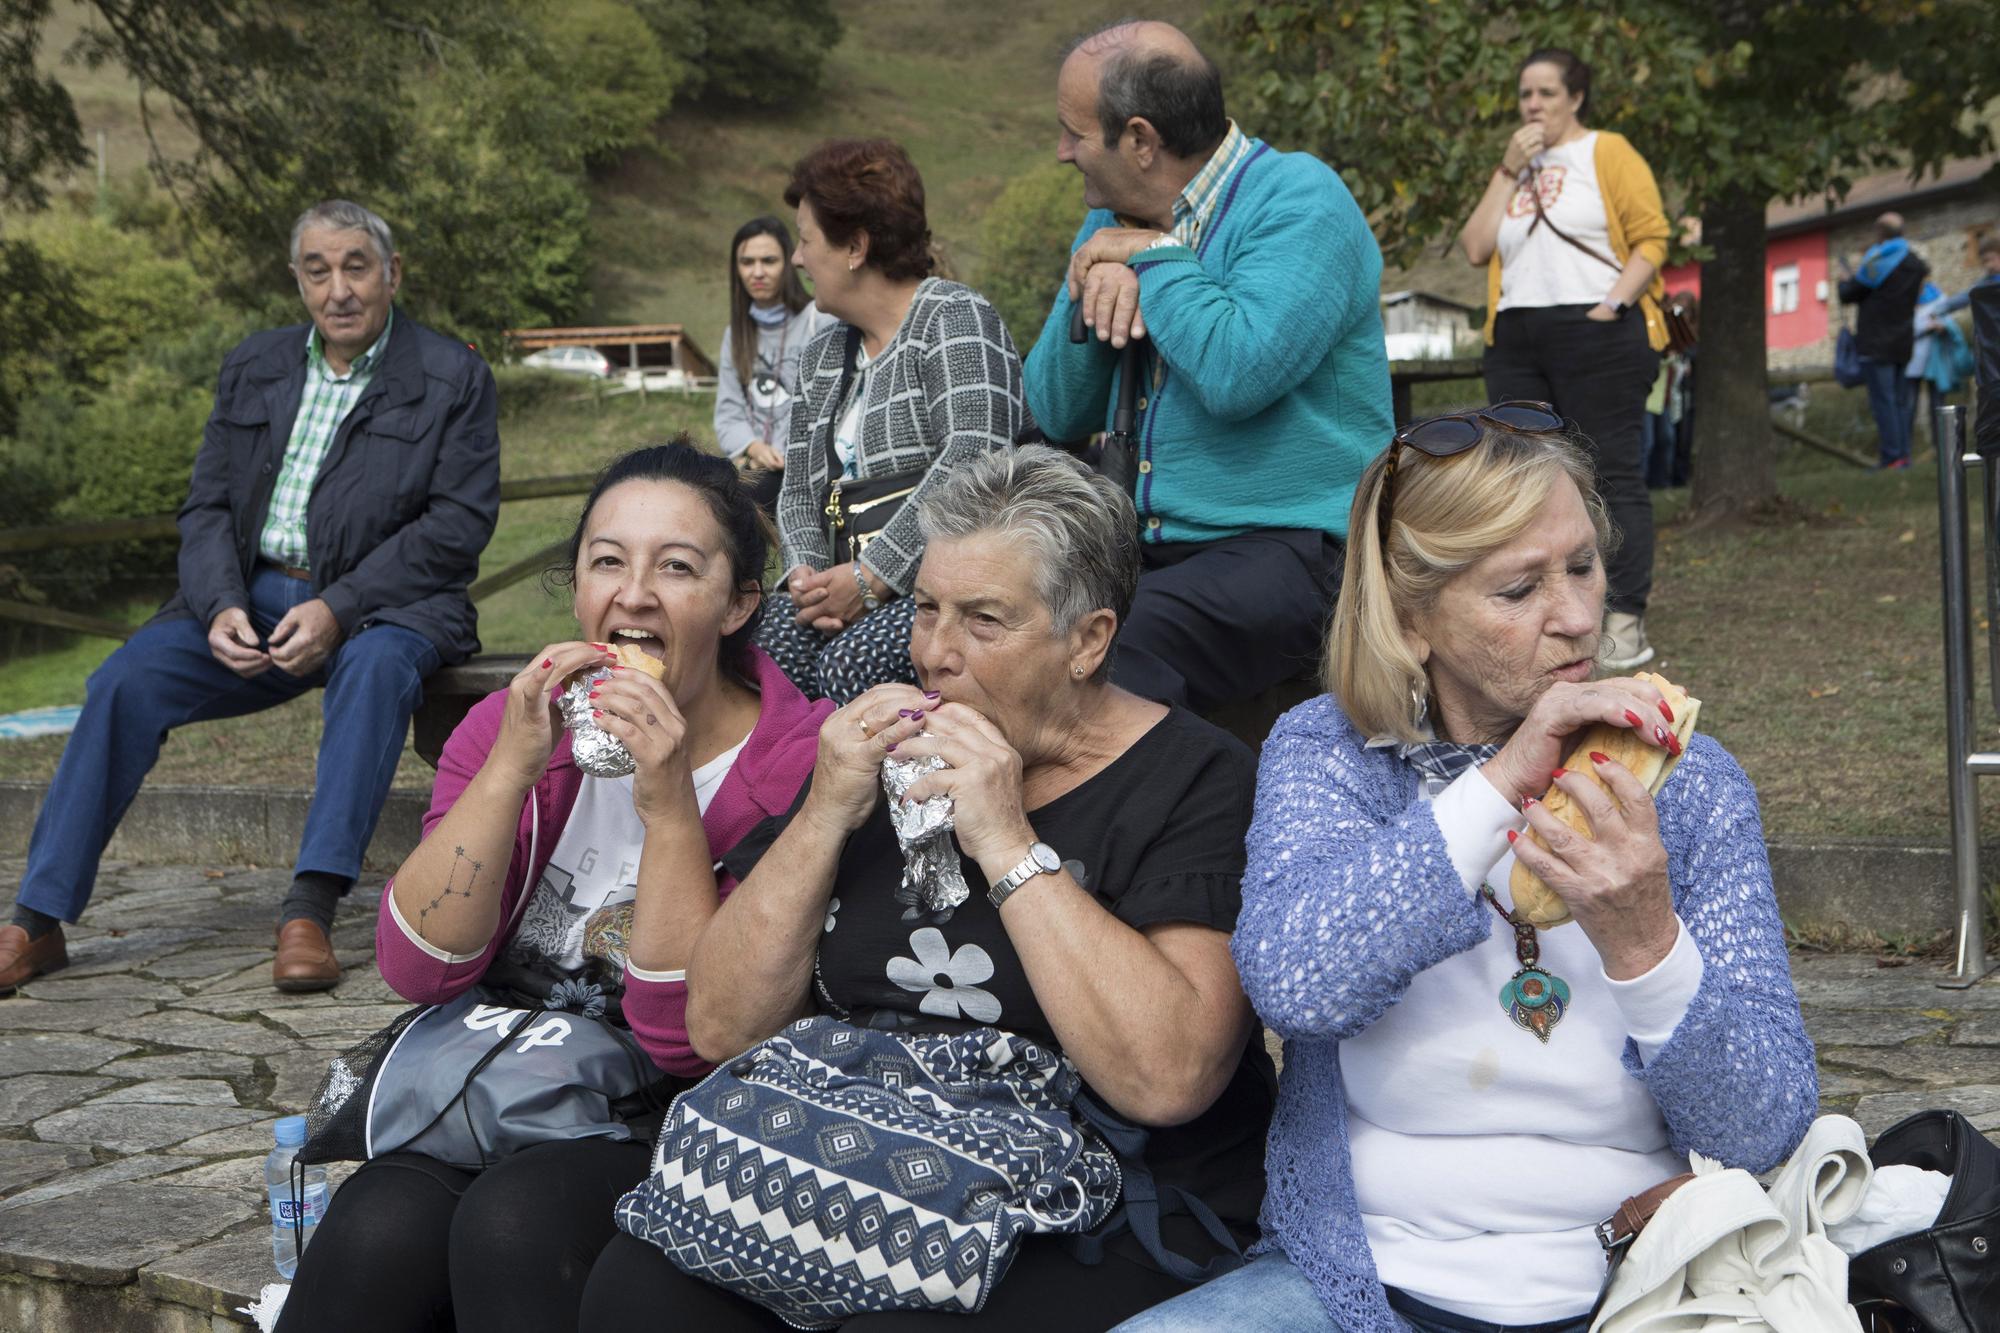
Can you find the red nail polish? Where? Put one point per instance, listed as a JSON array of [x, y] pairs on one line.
[[1662, 735], [1634, 718], [1558, 773], [593, 694], [548, 662], [1599, 758], [1512, 835], [596, 713], [1531, 800], [1665, 711], [1673, 747], [616, 667]]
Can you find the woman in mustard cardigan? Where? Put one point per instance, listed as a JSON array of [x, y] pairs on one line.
[[1573, 236]]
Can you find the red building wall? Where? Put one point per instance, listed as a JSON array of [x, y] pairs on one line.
[[1809, 321]]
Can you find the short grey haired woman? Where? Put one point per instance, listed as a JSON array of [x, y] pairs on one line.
[[1113, 827], [1466, 1097]]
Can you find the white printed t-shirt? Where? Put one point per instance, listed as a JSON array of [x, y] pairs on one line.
[[1538, 267], [1482, 1158], [579, 921]]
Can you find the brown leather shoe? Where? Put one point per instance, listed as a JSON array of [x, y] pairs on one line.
[[22, 958], [305, 958]]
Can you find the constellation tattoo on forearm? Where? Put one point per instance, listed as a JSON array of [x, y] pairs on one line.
[[450, 889]]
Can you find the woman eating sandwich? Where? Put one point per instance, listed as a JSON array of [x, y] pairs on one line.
[[1471, 1083], [544, 870]]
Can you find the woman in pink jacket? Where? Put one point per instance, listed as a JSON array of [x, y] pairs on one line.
[[599, 885]]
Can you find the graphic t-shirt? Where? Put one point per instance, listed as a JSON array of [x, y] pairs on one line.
[[578, 921], [1540, 268], [1157, 836]]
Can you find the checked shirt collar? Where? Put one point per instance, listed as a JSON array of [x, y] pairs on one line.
[[1199, 197], [324, 404], [1438, 763]]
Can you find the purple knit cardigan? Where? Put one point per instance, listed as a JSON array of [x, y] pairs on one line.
[[1349, 893]]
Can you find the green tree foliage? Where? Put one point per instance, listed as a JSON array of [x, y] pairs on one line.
[[765, 52], [1734, 104], [39, 132], [616, 76], [1024, 243]]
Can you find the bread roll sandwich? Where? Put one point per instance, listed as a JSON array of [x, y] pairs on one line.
[[631, 655], [626, 655], [1534, 901]]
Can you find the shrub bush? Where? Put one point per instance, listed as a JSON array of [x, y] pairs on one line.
[[1025, 241]]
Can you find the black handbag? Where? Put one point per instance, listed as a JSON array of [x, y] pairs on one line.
[[857, 510], [1945, 1279]]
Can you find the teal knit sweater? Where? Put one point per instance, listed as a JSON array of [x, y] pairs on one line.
[[1268, 386]]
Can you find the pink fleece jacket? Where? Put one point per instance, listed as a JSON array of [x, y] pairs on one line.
[[764, 780]]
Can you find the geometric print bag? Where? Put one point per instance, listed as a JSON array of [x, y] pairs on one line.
[[832, 1171]]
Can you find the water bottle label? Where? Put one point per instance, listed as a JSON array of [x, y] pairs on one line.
[[307, 1211]]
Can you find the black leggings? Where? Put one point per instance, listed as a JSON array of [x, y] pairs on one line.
[[635, 1286], [1598, 376], [410, 1245]]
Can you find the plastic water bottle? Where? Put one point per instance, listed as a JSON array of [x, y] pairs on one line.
[[311, 1205]]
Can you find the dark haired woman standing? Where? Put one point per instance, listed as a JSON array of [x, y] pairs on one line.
[[591, 882], [1573, 236], [771, 319], [917, 377]]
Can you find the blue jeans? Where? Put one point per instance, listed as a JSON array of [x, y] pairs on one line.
[[1270, 1292], [1890, 398], [164, 677]]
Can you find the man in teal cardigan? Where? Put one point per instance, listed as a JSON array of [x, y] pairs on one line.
[[1255, 280]]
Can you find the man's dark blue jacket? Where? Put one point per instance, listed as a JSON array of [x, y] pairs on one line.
[[404, 502]]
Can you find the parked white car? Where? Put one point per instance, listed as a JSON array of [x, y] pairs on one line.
[[571, 361]]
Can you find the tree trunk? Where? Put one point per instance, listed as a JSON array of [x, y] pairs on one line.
[[1734, 466]]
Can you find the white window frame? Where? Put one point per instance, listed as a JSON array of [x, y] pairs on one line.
[[1784, 289]]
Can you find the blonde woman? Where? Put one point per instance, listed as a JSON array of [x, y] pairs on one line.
[[1431, 1163]]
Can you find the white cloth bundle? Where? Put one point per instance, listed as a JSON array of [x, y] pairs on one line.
[[1722, 1253]]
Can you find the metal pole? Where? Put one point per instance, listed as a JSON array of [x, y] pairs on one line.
[[1971, 962]]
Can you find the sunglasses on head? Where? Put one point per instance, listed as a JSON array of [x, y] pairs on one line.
[[1453, 433]]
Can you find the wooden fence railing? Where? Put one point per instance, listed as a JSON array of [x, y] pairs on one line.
[[14, 541]]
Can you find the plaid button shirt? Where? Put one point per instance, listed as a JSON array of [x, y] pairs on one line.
[[327, 400], [1198, 198]]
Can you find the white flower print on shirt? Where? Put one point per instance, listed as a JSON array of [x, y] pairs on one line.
[[832, 910], [948, 981]]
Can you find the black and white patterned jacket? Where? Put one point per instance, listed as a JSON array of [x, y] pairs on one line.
[[946, 388]]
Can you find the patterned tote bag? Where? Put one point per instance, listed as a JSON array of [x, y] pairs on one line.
[[834, 1171]]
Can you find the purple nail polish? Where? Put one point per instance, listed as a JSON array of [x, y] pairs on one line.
[[917, 716], [932, 695], [890, 748]]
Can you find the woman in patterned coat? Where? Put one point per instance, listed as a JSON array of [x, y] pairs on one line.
[[1440, 1156], [916, 377]]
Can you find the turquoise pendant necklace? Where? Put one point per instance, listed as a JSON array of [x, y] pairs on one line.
[[1534, 997]]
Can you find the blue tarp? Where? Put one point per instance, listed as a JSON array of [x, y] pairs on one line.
[[59, 721]]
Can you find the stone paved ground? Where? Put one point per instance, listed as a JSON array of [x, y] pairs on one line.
[[138, 1087]]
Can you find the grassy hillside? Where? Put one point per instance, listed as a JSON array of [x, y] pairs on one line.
[[969, 90]]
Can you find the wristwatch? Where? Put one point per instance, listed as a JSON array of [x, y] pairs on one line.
[[1041, 860], [1617, 307], [869, 601]]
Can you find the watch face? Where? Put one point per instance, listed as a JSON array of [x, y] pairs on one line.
[[1045, 858]]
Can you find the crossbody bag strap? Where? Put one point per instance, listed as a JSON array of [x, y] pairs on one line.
[[1145, 1203], [1533, 185], [849, 354]]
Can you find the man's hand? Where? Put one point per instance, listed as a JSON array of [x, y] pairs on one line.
[[305, 638], [234, 643], [1105, 288], [1108, 245]]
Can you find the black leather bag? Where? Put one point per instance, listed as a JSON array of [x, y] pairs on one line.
[[1946, 1279], [857, 511]]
